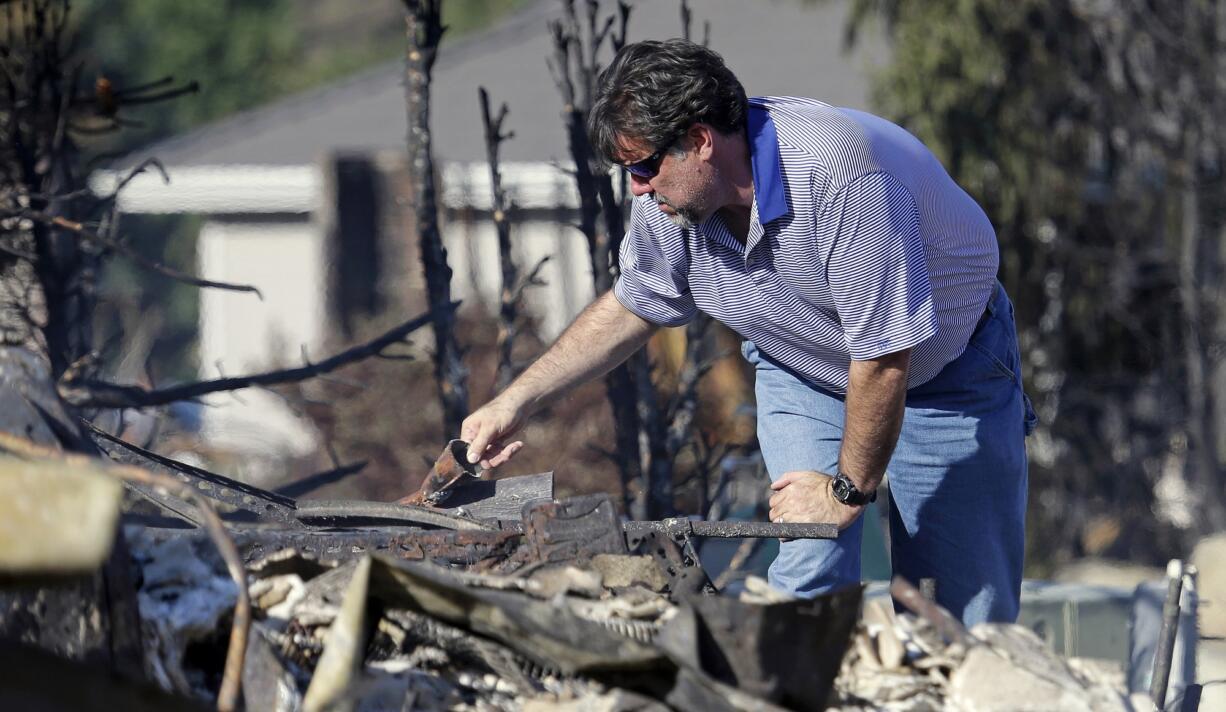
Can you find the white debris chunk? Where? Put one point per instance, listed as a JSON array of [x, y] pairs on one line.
[[182, 600], [1005, 668]]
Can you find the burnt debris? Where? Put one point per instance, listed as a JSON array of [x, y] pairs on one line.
[[485, 595]]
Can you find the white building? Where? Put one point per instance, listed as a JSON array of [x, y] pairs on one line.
[[268, 181]]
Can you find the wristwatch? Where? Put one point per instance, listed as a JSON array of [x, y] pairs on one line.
[[845, 491]]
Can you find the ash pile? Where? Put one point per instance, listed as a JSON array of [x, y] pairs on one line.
[[371, 606], [538, 621], [156, 585], [130, 581], [924, 660]]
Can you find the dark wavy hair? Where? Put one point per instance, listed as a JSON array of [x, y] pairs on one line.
[[654, 91]]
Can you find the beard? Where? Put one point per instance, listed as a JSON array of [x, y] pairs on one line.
[[693, 191], [684, 218]]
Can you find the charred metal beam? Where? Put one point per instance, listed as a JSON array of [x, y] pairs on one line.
[[1165, 653], [264, 504], [680, 526], [501, 498], [339, 513], [485, 548], [573, 529]]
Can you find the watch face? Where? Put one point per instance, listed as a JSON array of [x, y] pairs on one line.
[[840, 490]]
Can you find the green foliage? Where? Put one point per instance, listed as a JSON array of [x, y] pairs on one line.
[[1019, 100], [244, 53], [983, 84], [240, 51]]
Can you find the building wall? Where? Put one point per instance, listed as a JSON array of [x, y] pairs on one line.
[[241, 333], [543, 221], [472, 246], [288, 248]]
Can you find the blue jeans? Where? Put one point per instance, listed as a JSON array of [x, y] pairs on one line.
[[957, 480]]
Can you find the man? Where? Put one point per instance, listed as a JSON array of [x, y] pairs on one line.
[[863, 280]]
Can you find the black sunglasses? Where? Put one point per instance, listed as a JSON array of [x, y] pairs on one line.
[[649, 167]]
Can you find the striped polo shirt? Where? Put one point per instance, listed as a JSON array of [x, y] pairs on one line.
[[859, 245]]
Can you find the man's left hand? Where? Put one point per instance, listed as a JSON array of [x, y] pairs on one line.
[[805, 497]]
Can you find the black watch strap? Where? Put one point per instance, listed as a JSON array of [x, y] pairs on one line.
[[846, 492]]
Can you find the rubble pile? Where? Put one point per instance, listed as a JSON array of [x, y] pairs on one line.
[[374, 632], [606, 632], [486, 595], [567, 609], [908, 663]]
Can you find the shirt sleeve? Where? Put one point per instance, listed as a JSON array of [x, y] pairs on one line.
[[651, 284], [876, 268]]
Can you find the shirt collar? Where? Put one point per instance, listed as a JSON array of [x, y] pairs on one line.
[[764, 158]]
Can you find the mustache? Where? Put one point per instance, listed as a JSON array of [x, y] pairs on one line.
[[661, 200]]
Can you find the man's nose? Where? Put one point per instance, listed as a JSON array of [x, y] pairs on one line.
[[639, 185]]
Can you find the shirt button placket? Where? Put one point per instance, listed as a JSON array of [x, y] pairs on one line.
[[753, 265]]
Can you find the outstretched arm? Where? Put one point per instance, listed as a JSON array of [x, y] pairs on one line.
[[601, 337]]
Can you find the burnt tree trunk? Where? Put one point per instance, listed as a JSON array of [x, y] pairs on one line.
[[424, 30], [508, 307], [569, 68], [66, 271], [49, 272]]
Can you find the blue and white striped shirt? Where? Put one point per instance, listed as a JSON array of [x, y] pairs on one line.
[[859, 245]]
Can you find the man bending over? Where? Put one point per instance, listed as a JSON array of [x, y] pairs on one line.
[[863, 281]]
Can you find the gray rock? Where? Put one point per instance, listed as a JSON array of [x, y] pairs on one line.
[[1207, 557], [1014, 671]]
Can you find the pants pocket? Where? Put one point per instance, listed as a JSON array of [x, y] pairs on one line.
[[994, 360]]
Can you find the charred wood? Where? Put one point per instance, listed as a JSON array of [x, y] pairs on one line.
[[424, 29], [575, 70], [87, 393]]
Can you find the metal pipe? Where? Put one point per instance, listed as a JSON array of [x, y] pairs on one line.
[[1165, 652], [681, 526]]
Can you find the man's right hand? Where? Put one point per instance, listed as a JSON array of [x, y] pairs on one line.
[[488, 429], [601, 337]]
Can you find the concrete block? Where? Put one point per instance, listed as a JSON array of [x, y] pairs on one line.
[[1209, 557]]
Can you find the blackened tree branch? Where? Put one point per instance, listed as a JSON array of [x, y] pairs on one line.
[[98, 394], [685, 401], [570, 69], [38, 157], [109, 198], [618, 39], [532, 279], [425, 30], [655, 496], [109, 243], [574, 117], [687, 18], [48, 251], [174, 93], [508, 308]]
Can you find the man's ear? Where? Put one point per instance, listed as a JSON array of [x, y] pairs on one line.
[[702, 140]]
